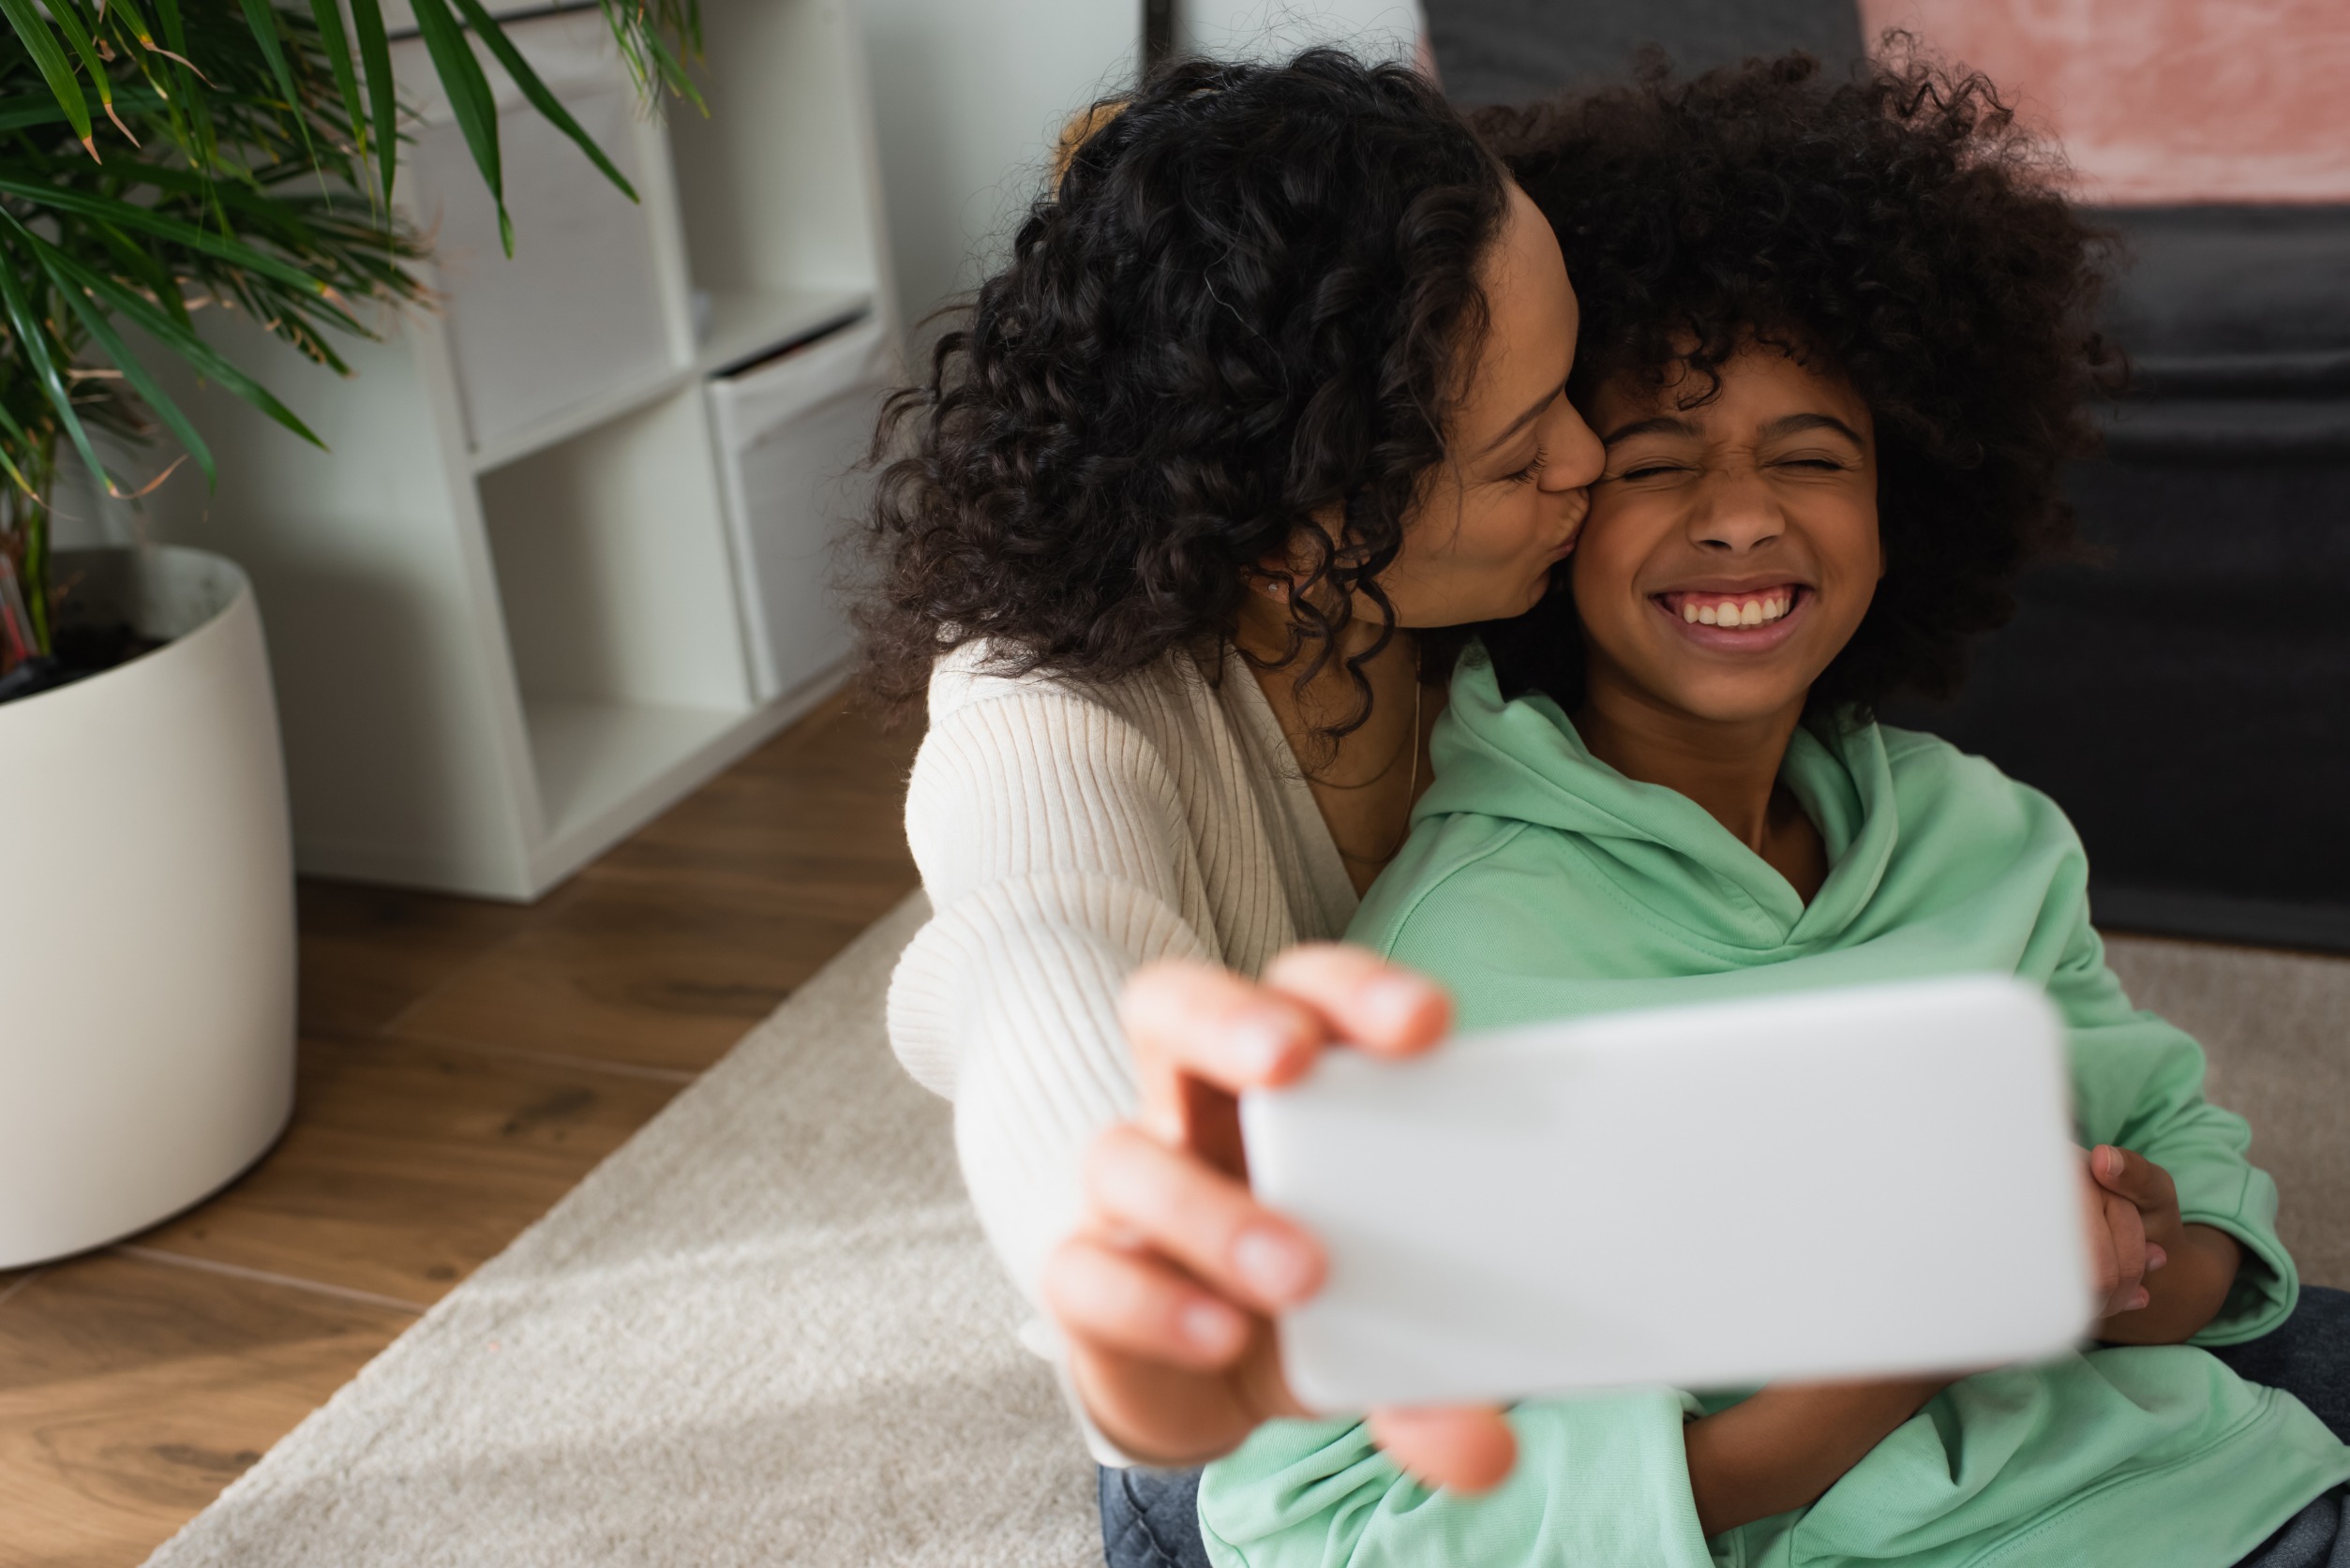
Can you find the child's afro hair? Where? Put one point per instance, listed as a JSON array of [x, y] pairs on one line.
[[1898, 225]]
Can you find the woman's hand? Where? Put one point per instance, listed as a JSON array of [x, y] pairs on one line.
[[2159, 1279], [1166, 1295]]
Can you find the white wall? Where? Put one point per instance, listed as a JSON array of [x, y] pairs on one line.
[[1376, 29], [971, 94]]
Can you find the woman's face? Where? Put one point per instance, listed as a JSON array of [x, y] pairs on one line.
[[1503, 508], [1731, 548]]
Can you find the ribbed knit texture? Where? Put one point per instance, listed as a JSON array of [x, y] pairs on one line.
[[1069, 833]]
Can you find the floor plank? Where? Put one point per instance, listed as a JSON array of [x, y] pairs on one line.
[[409, 1164], [367, 953], [664, 973], [131, 1391], [668, 949], [819, 811]]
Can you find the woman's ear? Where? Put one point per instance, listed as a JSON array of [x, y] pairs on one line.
[[1276, 572]]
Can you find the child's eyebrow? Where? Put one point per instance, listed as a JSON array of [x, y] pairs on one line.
[[1657, 425], [1670, 425], [1795, 422]]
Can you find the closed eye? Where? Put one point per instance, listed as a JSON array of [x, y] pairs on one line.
[[1648, 471], [1526, 475]]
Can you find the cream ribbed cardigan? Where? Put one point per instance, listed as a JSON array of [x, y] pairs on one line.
[[1068, 833]]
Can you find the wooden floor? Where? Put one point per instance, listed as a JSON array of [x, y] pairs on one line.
[[462, 1066]]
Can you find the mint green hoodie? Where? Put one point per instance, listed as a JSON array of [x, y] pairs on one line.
[[1540, 883]]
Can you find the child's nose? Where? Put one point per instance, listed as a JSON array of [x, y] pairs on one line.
[[1735, 511]]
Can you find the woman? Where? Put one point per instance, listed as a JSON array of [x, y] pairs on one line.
[[1269, 398]]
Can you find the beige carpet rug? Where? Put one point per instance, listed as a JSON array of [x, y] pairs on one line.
[[766, 1331], [2276, 1027]]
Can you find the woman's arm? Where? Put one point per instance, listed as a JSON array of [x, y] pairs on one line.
[[1048, 836], [1054, 845]]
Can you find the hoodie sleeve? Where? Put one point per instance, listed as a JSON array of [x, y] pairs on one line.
[[1598, 1480], [2137, 1082]]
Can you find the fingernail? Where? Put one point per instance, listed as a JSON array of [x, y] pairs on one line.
[[2109, 1160], [2140, 1299], [1212, 1327], [1277, 1267], [1262, 1043], [2155, 1257], [1395, 1001]]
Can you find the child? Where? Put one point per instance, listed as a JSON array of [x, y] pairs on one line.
[[1835, 343]]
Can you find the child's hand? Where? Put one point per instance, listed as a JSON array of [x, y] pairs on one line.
[[2131, 1206], [2157, 1278]]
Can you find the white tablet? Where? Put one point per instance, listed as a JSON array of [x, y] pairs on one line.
[[1871, 1180]]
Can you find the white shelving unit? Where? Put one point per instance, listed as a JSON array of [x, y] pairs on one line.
[[529, 598]]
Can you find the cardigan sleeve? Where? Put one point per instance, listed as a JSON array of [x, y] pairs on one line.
[[1053, 844]]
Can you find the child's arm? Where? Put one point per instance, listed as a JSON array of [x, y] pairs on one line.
[[2137, 1086], [1790, 1442]]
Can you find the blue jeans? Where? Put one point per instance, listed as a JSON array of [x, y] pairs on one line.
[[1150, 1518], [2309, 1357]]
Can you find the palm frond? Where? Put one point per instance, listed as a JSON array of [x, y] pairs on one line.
[[155, 153]]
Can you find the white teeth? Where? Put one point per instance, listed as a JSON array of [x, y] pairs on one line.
[[1738, 612]]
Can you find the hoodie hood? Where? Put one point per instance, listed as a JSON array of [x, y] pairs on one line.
[[1521, 761]]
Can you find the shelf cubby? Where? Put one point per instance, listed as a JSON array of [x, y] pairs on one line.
[[513, 610]]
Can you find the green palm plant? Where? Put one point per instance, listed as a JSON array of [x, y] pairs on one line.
[[158, 158]]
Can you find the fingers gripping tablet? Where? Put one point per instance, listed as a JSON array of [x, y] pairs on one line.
[[1871, 1180]]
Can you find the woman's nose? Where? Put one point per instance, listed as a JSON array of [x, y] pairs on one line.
[[1577, 458]]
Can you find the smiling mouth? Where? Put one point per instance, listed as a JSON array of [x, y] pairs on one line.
[[1742, 611]]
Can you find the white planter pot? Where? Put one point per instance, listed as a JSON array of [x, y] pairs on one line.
[[146, 917]]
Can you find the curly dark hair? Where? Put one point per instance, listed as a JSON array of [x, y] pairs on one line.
[[1246, 302], [1897, 226]]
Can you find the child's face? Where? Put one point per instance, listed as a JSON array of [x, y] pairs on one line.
[[1732, 549]]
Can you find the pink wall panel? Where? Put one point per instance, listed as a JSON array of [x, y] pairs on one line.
[[2165, 100]]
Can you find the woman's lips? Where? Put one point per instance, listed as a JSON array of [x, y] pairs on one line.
[[1758, 620]]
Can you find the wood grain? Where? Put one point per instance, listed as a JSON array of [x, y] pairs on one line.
[[463, 1064], [131, 1391], [667, 949], [658, 973], [409, 1165], [367, 953]]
